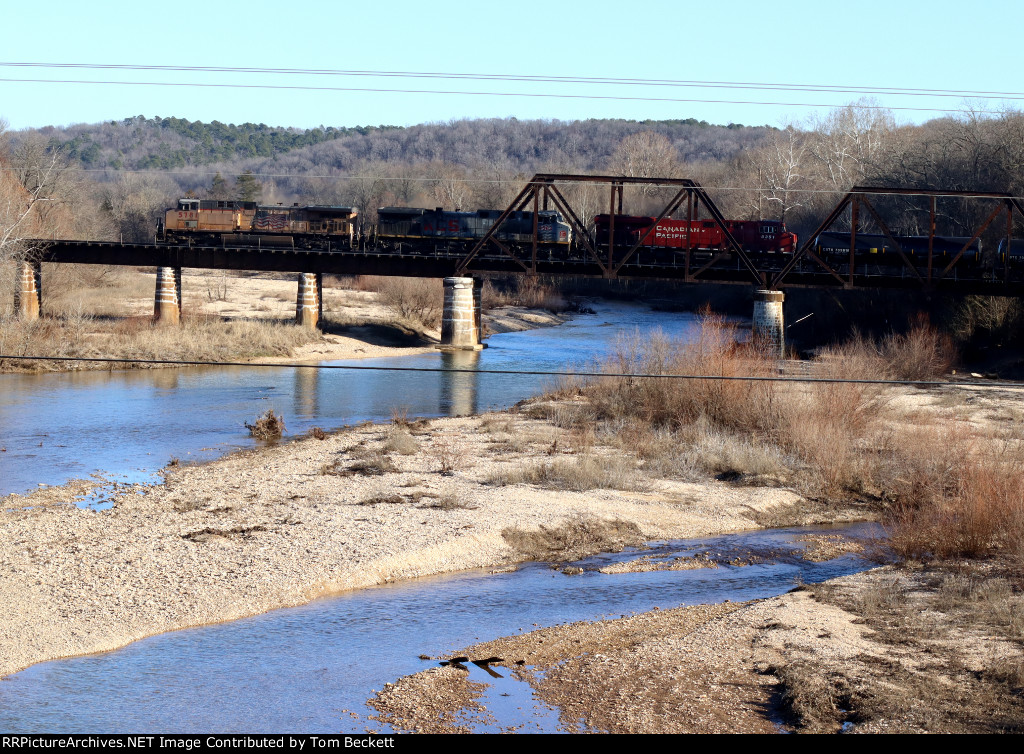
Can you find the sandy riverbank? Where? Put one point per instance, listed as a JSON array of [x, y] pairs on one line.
[[226, 317], [282, 525], [891, 650]]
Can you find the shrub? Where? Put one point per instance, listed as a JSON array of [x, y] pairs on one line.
[[419, 301], [268, 426], [923, 353], [969, 505]]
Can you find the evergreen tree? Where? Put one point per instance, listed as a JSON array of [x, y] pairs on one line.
[[219, 189], [247, 187]]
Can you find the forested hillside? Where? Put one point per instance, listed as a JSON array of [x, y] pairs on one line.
[[114, 179], [121, 174]]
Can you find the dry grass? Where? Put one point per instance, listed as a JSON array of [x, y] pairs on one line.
[[417, 301], [523, 290], [577, 474], [971, 508], [813, 434], [923, 353], [196, 339], [449, 452], [944, 654], [573, 539], [398, 440]]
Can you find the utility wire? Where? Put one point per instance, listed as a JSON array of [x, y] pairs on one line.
[[487, 94], [186, 172], [524, 372], [547, 79]]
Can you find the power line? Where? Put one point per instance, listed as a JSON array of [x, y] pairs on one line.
[[522, 372], [552, 79], [186, 172], [295, 87]]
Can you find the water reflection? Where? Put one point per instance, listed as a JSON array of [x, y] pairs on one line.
[[459, 390], [131, 423], [306, 392]]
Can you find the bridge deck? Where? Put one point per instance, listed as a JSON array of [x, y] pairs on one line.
[[438, 260]]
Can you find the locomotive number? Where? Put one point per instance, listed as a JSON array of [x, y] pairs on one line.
[[452, 226], [187, 215]]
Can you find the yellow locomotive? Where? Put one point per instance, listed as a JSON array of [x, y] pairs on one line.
[[204, 222]]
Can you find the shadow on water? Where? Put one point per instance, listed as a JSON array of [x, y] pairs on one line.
[[130, 424], [304, 669]]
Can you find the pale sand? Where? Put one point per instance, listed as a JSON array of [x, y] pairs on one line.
[[265, 529]]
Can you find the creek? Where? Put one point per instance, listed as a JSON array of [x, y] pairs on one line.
[[310, 669]]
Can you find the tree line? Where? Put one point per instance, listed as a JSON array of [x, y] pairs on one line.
[[795, 173]]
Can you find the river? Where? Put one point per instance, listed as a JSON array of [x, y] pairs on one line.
[[129, 424], [311, 668]]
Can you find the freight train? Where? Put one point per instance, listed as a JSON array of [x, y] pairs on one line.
[[231, 223], [421, 230], [396, 225], [874, 248], [756, 236]]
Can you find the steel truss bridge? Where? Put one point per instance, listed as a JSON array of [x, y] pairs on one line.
[[920, 269]]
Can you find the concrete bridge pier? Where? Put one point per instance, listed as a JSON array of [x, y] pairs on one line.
[[309, 304], [460, 320], [769, 330], [167, 305], [28, 296]]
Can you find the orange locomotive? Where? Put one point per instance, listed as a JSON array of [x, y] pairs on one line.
[[215, 222]]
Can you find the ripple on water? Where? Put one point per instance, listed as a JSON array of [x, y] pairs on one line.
[[302, 669]]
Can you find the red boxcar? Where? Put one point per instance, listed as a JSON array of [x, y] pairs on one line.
[[752, 235]]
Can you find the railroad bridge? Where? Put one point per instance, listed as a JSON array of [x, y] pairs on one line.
[[932, 264]]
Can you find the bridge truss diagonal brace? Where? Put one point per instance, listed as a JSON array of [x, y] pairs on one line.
[[988, 221], [521, 198], [807, 245], [759, 277], [576, 224], [862, 199]]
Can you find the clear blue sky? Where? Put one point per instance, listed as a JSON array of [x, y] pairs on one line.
[[940, 44]]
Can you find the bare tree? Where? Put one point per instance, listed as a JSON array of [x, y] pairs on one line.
[[27, 184], [448, 185], [136, 201], [777, 172], [847, 142]]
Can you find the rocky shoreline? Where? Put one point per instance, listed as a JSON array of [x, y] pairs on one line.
[[281, 525]]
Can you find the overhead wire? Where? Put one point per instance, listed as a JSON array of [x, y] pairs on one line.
[[521, 372], [543, 95], [532, 78], [188, 171]]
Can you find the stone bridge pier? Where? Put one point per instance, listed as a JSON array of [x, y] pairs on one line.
[[309, 303], [28, 293], [769, 326], [460, 320], [167, 303]]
